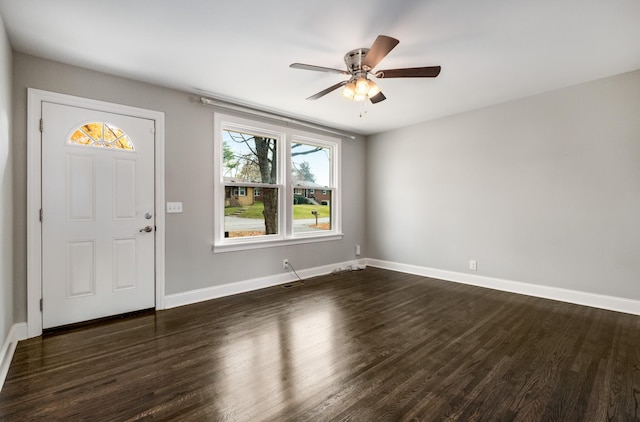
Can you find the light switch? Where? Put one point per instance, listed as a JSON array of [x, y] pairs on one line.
[[174, 207]]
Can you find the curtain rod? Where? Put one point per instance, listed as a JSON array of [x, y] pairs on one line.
[[223, 104]]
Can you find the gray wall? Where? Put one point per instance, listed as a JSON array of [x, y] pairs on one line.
[[190, 264], [542, 190], [6, 190]]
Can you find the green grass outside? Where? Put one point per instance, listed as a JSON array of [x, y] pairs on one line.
[[250, 211], [303, 211], [300, 212]]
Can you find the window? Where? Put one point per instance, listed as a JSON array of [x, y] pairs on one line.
[[267, 179], [101, 135]]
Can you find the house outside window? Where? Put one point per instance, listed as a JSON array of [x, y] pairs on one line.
[[268, 183]]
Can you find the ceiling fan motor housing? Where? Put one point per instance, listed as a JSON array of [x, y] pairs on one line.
[[353, 59]]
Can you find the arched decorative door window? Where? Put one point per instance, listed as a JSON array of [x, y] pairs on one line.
[[102, 135]]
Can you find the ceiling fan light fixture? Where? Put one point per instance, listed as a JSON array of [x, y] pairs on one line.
[[362, 85], [349, 90], [359, 97], [373, 89]]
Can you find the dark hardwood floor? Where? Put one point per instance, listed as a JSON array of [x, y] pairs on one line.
[[371, 345]]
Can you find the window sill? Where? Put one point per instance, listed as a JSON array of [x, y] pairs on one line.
[[274, 243]]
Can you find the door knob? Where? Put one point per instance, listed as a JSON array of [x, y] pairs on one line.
[[146, 229]]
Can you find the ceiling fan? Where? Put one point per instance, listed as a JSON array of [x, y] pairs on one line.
[[360, 63]]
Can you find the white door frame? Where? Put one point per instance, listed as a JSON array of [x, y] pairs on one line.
[[34, 194]]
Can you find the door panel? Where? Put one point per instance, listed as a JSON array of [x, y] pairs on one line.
[[96, 261], [80, 181], [81, 269], [124, 192], [124, 263]]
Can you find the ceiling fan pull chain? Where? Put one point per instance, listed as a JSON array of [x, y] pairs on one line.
[[363, 108]]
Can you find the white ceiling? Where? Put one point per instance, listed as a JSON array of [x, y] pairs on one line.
[[490, 51]]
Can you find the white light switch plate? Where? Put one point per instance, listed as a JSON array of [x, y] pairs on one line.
[[174, 207]]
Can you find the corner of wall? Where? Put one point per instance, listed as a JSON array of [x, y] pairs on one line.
[[6, 188]]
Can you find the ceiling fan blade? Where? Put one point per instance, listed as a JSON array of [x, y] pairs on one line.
[[410, 72], [328, 90], [380, 48], [377, 98], [317, 68]]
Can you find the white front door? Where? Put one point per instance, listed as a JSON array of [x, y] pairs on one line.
[[98, 226]]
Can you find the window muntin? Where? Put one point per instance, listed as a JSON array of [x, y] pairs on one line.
[[101, 135], [291, 161]]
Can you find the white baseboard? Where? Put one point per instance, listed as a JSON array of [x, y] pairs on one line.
[[16, 333], [214, 292], [593, 300]]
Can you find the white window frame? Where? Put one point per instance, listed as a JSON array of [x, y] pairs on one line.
[[285, 137]]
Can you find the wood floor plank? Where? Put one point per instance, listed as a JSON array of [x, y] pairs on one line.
[[370, 345]]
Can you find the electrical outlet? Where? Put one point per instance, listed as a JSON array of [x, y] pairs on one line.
[[473, 265], [357, 250], [285, 263]]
